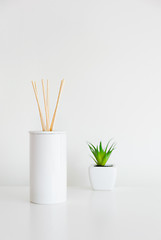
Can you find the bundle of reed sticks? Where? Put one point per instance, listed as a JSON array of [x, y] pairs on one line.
[[47, 126]]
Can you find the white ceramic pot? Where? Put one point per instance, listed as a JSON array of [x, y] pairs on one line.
[[102, 178], [48, 177]]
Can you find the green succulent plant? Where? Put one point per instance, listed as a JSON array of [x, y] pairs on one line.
[[101, 156]]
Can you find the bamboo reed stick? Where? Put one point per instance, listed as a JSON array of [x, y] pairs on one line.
[[47, 100], [45, 104], [53, 119], [36, 96]]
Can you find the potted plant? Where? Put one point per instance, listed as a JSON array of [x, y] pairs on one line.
[[102, 176]]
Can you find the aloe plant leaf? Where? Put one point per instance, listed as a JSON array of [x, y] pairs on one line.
[[101, 150], [108, 144], [106, 157], [94, 159], [99, 157], [93, 150], [91, 146], [112, 147]]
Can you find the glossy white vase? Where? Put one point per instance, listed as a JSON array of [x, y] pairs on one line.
[[102, 178], [48, 171]]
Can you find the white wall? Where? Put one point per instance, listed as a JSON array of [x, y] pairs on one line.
[[109, 53]]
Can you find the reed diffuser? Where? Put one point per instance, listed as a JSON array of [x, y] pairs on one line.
[[48, 183]]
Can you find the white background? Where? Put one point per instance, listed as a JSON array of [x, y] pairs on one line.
[[109, 53]]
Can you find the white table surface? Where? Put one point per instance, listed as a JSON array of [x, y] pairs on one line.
[[122, 214]]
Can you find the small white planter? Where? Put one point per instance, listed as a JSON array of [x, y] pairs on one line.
[[48, 178], [102, 178]]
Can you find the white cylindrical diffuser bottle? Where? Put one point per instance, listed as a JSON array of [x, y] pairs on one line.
[[48, 167]]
